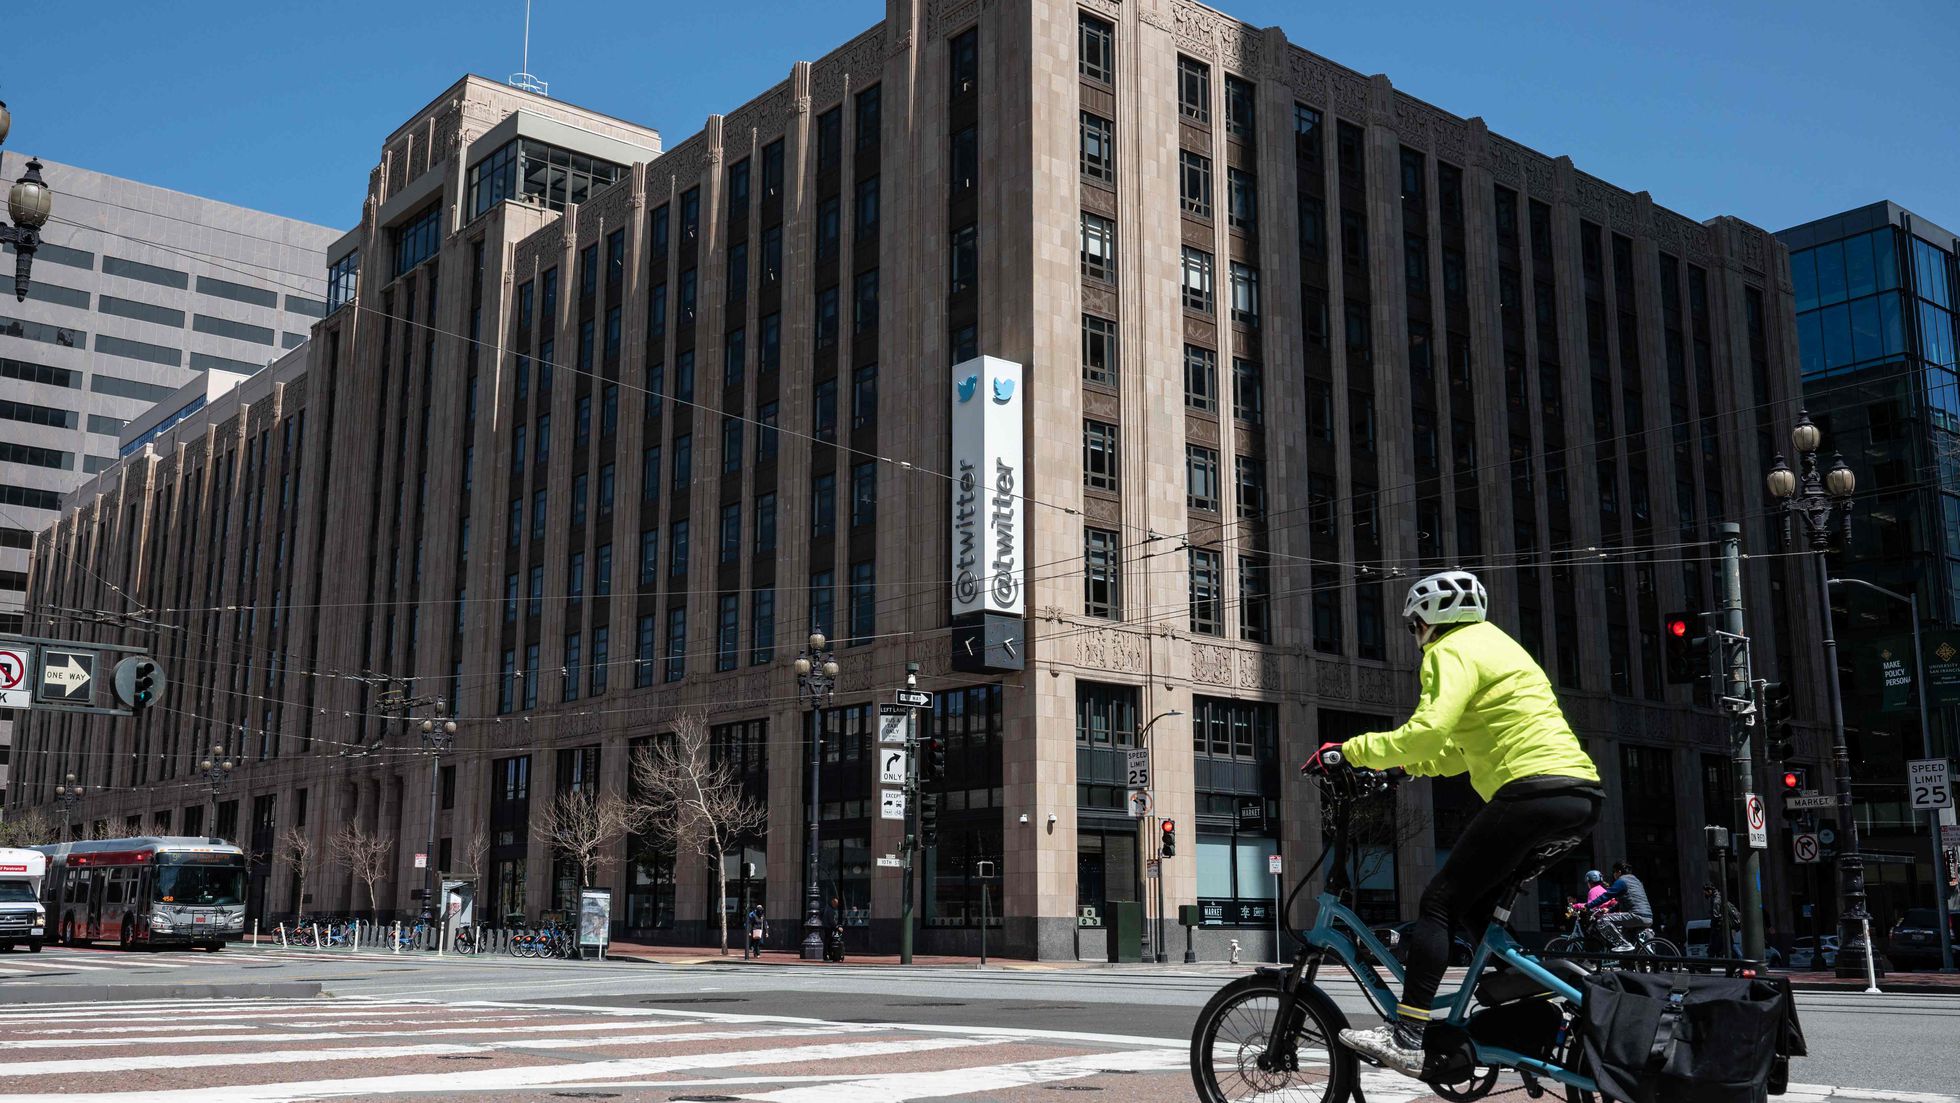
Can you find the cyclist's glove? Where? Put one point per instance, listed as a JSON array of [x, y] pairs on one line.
[[1324, 760]]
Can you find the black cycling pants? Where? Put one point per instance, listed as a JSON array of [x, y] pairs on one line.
[[1521, 818]]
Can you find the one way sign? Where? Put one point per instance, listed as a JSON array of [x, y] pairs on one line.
[[67, 677]]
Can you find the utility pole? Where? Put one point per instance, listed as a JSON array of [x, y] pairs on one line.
[[911, 841], [1738, 700], [438, 733]]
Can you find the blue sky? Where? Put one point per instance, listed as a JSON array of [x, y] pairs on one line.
[[1776, 112]]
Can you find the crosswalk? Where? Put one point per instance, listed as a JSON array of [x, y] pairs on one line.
[[55, 962], [281, 1050]]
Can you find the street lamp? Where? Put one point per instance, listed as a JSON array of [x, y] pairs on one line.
[[438, 733], [29, 203], [68, 794], [1818, 502], [216, 770], [816, 681]]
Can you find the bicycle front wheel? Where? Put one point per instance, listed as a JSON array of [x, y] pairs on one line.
[[1659, 947], [1232, 1059], [1564, 944]]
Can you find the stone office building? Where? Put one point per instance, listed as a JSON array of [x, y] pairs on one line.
[[604, 431]]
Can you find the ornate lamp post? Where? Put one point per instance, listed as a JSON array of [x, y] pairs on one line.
[[29, 203], [216, 770], [67, 794], [816, 680], [1816, 507], [438, 733]]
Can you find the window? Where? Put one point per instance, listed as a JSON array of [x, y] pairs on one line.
[[864, 302], [606, 480], [601, 654], [534, 606], [1199, 291], [762, 626], [1201, 477], [676, 665], [1241, 200], [731, 445], [1098, 148], [864, 606], [1098, 247], [823, 505], [543, 440], [728, 641], [965, 67], [1194, 182], [826, 317], [1313, 226], [510, 598], [516, 532], [1239, 107], [765, 432], [765, 524], [416, 240], [649, 556], [867, 208], [1252, 485], [830, 139], [602, 571], [965, 175], [1206, 581], [662, 222], [1248, 394], [823, 601], [552, 176], [683, 460], [684, 307], [518, 452], [582, 421], [1098, 350], [580, 487], [1245, 294], [1200, 379], [824, 411], [531, 676], [864, 493], [609, 410], [869, 118], [864, 396], [769, 356], [575, 577], [507, 682], [1100, 463], [1354, 239], [548, 299], [1102, 578], [537, 515], [964, 261], [738, 271], [588, 271], [571, 672], [738, 189], [657, 313], [772, 169], [1415, 265], [1194, 90], [677, 549], [731, 532], [344, 281], [691, 214], [1097, 42], [650, 473], [643, 654]]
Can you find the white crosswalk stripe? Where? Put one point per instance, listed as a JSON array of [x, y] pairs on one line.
[[84, 961]]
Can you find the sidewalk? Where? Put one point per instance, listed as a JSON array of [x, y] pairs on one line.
[[711, 955], [1939, 983]]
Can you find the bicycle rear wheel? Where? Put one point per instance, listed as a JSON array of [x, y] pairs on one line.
[[1230, 1062], [1659, 947]]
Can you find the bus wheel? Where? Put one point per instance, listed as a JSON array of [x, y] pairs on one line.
[[128, 938]]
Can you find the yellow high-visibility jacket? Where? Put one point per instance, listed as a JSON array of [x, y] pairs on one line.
[[1486, 708]]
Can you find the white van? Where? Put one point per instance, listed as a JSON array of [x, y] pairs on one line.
[[23, 921]]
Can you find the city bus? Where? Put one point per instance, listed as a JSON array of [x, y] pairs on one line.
[[156, 890]]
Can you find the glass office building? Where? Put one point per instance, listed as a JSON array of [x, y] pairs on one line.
[[1874, 291]]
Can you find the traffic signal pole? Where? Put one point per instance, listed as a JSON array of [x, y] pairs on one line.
[[1736, 690]]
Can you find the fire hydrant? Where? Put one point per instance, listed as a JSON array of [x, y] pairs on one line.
[[1235, 951]]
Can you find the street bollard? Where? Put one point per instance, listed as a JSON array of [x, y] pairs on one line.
[[255, 933], [316, 936], [1871, 969], [1235, 951], [355, 942], [396, 942]]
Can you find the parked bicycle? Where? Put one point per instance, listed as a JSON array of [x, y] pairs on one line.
[[464, 941], [1274, 1035]]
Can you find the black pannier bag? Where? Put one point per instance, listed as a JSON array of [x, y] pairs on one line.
[[1680, 1038]]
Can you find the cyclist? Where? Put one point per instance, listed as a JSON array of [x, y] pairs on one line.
[[1595, 886], [1631, 912], [1486, 708]]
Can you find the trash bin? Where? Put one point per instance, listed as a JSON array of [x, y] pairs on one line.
[[1124, 922]]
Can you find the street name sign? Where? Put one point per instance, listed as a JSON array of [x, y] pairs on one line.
[[915, 698], [15, 691], [1928, 780], [1822, 800], [890, 861], [67, 677]]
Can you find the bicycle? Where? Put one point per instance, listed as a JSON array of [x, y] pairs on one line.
[[464, 940], [1587, 936], [1274, 1035]]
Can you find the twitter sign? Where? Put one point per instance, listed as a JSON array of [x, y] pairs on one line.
[[989, 488]]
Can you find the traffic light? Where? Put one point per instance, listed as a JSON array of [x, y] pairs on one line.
[[1795, 780], [146, 683], [1780, 735], [1686, 648], [936, 758], [928, 820], [1169, 849]]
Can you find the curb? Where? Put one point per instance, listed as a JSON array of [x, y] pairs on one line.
[[1901, 988], [95, 993]]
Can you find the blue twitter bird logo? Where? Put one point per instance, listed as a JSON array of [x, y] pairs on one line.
[[1003, 390], [966, 386]]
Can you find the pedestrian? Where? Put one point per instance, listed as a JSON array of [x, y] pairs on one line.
[[756, 929], [833, 930]]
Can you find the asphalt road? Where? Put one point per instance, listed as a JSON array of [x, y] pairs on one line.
[[944, 1032]]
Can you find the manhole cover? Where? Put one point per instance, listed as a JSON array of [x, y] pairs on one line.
[[699, 999]]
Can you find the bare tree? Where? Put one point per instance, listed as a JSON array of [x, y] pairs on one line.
[[1380, 827], [296, 847], [366, 855], [691, 803], [475, 853], [582, 825], [31, 827]]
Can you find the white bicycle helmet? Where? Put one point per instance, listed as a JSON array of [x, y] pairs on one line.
[[1447, 597]]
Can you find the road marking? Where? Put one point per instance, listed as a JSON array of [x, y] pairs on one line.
[[1807, 1093], [510, 1078], [51, 962], [319, 1035], [899, 1087]]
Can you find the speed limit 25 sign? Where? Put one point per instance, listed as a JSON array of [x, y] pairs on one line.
[[1929, 782]]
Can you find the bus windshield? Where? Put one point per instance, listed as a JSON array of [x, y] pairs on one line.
[[200, 886]]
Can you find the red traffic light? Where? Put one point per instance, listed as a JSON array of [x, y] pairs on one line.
[[1169, 825], [1791, 780], [1678, 627]]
